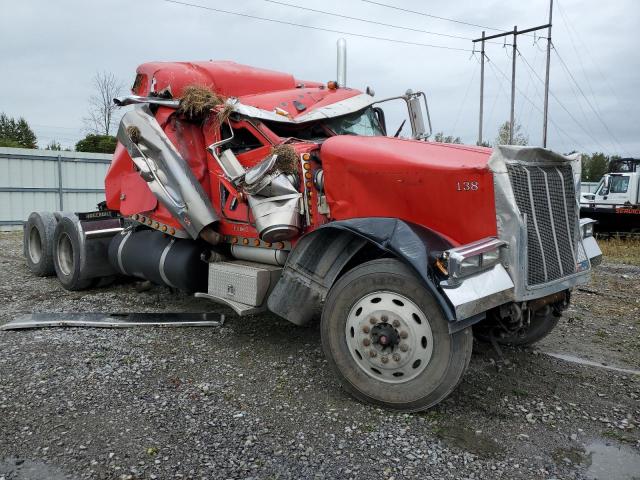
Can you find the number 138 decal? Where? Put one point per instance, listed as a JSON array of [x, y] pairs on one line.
[[467, 186]]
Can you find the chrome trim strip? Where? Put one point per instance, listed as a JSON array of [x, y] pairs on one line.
[[137, 99], [553, 223], [566, 216], [163, 257], [535, 224], [105, 232], [120, 247]]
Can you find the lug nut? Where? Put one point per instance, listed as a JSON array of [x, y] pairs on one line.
[[403, 334], [396, 357], [396, 323], [366, 342], [372, 353], [384, 319], [384, 359], [372, 320], [365, 329], [404, 347]]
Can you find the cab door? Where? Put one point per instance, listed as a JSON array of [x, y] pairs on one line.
[[617, 190]]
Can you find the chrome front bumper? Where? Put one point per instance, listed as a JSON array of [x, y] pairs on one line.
[[481, 292]]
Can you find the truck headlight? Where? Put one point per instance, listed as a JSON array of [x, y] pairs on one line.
[[586, 227], [472, 258]]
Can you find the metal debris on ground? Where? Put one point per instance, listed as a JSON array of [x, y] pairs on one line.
[[114, 320]]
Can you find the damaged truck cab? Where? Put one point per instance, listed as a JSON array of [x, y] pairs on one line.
[[260, 191]]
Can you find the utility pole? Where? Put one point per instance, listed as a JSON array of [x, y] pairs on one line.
[[515, 32], [512, 121], [481, 89], [546, 79]]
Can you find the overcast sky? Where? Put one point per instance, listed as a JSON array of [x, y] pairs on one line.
[[51, 50]]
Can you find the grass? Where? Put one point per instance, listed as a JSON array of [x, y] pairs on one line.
[[620, 437], [621, 250]]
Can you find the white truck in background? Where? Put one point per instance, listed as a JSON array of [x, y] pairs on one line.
[[615, 203]]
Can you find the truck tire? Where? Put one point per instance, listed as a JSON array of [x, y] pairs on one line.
[[38, 243], [385, 336], [542, 324], [66, 255]]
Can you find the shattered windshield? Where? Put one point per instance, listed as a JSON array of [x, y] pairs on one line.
[[363, 123]]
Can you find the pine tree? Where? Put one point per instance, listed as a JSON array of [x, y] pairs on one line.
[[26, 137], [16, 133]]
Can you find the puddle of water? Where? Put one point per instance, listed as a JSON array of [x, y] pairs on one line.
[[18, 469], [612, 462], [583, 361], [469, 441]]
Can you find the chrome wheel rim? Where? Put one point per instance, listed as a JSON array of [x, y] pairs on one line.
[[35, 245], [389, 337], [65, 254]]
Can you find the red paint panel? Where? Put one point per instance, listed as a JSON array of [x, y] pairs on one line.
[[311, 98], [137, 196], [226, 78], [121, 164], [420, 182]]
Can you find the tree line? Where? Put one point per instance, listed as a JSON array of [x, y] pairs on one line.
[[102, 117]]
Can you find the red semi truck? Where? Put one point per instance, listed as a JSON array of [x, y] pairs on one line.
[[264, 192]]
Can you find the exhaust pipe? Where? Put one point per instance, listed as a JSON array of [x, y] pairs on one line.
[[342, 63]]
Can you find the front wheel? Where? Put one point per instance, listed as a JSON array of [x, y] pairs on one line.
[[540, 325], [385, 336]]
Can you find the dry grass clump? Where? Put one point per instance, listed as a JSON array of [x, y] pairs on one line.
[[198, 101], [134, 133], [287, 161], [621, 250]]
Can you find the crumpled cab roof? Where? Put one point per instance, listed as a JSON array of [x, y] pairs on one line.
[[259, 93]]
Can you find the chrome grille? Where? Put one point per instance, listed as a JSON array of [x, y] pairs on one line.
[[545, 195]]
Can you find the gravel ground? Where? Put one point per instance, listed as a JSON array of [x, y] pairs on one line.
[[254, 399]]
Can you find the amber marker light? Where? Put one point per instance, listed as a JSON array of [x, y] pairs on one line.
[[440, 265], [332, 85]]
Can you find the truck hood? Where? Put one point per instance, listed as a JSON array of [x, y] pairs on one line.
[[447, 188]]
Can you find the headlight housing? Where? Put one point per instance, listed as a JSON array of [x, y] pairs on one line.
[[586, 227], [472, 258]]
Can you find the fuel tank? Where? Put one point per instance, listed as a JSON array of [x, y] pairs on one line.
[[447, 188], [161, 259]]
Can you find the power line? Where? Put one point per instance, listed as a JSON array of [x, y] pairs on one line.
[[358, 19], [589, 134], [424, 14], [538, 108], [604, 77], [585, 128], [588, 102], [464, 99], [322, 29], [498, 95]]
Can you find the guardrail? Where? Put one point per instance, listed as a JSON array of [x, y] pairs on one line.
[[32, 180]]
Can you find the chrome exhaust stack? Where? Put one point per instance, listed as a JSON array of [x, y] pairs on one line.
[[341, 74]]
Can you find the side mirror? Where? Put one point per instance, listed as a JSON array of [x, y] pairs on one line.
[[416, 118], [414, 107], [605, 185]]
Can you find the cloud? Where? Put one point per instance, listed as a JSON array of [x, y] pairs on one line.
[[51, 50]]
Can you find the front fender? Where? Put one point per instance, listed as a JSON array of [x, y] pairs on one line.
[[320, 256]]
